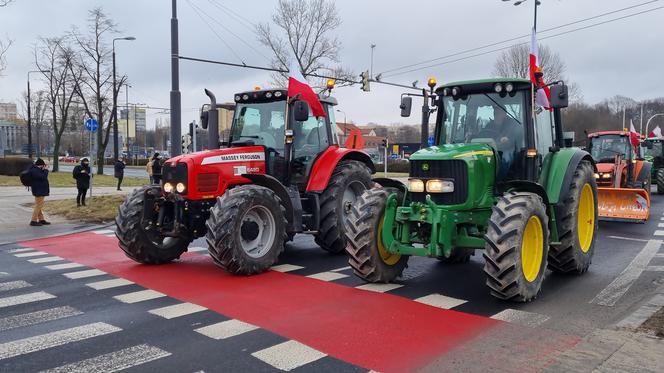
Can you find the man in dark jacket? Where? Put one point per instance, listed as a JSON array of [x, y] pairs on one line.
[[156, 168], [82, 175], [119, 171], [40, 189]]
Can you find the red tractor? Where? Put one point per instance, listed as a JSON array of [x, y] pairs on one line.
[[280, 172]]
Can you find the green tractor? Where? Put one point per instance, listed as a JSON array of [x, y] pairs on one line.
[[655, 153], [498, 178]]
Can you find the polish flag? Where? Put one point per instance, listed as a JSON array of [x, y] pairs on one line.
[[656, 132], [543, 94], [633, 135], [297, 85]]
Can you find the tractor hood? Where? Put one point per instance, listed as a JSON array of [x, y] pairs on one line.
[[606, 167], [453, 151], [218, 156]]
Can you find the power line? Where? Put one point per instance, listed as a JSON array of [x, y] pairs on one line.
[[197, 11], [239, 18], [510, 46], [231, 32], [515, 38]]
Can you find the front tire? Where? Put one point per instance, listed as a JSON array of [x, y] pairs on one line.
[[660, 181], [577, 220], [348, 181], [140, 245], [366, 252], [246, 230], [517, 242]]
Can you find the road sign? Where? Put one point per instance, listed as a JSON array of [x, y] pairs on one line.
[[91, 124], [394, 156], [430, 141]]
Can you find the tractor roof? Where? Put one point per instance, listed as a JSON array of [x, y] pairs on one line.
[[481, 85], [259, 95], [602, 133]]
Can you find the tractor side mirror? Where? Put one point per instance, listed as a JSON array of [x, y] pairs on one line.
[[204, 119], [646, 144], [406, 105], [300, 111], [559, 96]]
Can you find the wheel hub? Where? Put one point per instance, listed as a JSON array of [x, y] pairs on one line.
[[249, 230]]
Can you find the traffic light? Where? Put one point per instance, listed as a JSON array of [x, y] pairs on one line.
[[365, 81], [186, 141], [385, 143]]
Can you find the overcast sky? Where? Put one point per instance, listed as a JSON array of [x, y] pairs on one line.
[[623, 57]]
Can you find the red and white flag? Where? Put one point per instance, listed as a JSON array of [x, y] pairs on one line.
[[633, 135], [298, 85], [543, 94], [656, 132]]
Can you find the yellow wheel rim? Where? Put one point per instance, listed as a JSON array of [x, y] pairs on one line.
[[387, 257], [532, 248], [586, 218]]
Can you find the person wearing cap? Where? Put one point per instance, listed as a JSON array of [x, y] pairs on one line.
[[82, 175], [119, 171], [40, 189], [156, 168]]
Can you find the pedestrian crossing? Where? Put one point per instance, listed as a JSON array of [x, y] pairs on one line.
[[283, 355]]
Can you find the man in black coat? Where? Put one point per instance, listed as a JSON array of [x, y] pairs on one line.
[[156, 168], [119, 171], [82, 175], [40, 189]]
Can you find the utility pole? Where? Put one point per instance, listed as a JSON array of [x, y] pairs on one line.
[[641, 119], [175, 83]]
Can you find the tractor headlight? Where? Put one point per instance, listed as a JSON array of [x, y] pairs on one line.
[[605, 176], [180, 187], [498, 87], [440, 186], [596, 176], [168, 187], [509, 87], [415, 185]]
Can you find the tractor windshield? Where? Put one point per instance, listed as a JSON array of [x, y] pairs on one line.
[[655, 151], [260, 123], [605, 148]]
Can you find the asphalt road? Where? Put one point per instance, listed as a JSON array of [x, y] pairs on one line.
[[77, 303], [108, 170]]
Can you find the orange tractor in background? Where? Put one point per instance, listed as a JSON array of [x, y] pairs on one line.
[[623, 177]]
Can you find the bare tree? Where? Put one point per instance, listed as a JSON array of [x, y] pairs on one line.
[[4, 44], [515, 62], [303, 30], [55, 57], [96, 86]]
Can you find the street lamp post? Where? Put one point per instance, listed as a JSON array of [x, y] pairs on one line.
[[115, 101], [651, 118], [30, 112], [126, 139]]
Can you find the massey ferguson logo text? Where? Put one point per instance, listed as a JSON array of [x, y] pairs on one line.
[[234, 158]]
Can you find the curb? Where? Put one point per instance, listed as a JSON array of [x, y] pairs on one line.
[[81, 230]]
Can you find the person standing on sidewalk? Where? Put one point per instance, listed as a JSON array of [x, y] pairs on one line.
[[156, 168], [119, 171], [148, 169], [82, 174], [40, 189]]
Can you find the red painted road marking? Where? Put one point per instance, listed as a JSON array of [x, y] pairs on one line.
[[376, 331]]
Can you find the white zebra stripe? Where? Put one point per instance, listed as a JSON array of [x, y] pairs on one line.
[[21, 250], [177, 310], [226, 329], [114, 361], [139, 296], [288, 355], [37, 317], [84, 274], [56, 267], [53, 339], [12, 285], [25, 298], [108, 284], [103, 231], [30, 254], [48, 259]]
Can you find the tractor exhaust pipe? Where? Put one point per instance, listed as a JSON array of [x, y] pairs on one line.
[[213, 122]]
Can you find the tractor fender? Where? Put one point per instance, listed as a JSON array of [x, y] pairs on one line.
[[280, 190], [644, 172], [528, 186], [328, 160], [558, 171], [390, 183]]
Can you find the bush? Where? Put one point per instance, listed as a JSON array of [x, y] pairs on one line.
[[14, 166], [395, 165]]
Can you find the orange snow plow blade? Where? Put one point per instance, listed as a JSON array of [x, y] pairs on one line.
[[623, 204]]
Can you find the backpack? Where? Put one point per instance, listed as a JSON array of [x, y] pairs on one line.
[[26, 178]]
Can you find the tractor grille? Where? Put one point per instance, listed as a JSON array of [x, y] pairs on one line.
[[175, 174], [207, 182], [455, 170]]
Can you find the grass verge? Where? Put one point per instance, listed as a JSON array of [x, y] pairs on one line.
[[99, 209], [64, 179]]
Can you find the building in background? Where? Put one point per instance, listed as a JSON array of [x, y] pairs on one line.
[[8, 111], [131, 125], [14, 134]]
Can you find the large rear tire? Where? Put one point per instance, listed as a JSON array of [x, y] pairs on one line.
[[246, 230], [577, 224], [366, 253], [517, 242], [660, 181], [140, 245], [348, 181]]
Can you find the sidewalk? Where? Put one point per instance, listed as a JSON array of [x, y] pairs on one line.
[[14, 216]]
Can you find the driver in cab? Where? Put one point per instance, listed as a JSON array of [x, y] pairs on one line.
[[508, 134]]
